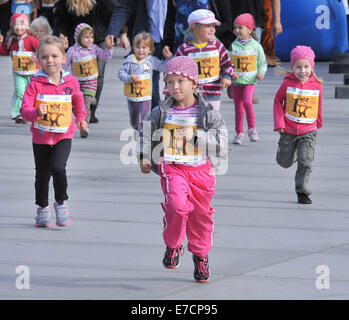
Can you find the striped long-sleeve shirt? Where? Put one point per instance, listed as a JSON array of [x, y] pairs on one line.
[[210, 72]]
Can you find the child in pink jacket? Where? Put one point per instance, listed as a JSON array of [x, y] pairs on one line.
[[297, 117], [52, 96]]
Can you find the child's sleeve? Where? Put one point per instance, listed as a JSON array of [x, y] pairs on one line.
[[319, 117], [68, 60], [4, 51], [158, 65], [262, 63], [103, 54], [226, 68], [125, 73], [79, 108], [278, 109], [28, 111]]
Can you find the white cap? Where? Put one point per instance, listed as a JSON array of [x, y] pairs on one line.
[[202, 16]]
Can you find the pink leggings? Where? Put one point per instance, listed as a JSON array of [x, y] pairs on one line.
[[243, 102], [188, 194]]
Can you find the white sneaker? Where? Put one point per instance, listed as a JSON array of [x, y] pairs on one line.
[[252, 133], [238, 138]]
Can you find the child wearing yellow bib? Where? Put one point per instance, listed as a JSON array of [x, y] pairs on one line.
[[136, 72], [297, 117], [22, 46], [82, 58]]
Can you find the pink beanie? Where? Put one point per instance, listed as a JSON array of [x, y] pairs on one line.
[[246, 20], [302, 52], [182, 65], [19, 16], [79, 29]]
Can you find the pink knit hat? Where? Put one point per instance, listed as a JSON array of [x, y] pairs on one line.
[[79, 29], [302, 52], [182, 65], [19, 16], [246, 20]]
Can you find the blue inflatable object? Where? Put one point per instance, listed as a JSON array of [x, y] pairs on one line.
[[320, 24]]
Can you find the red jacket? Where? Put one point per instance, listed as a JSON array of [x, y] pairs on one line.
[[299, 121], [39, 84], [26, 43]]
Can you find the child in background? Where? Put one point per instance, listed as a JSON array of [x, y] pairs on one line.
[[215, 68], [49, 101], [41, 27], [22, 47], [136, 72], [248, 57], [192, 133], [82, 58], [297, 117]]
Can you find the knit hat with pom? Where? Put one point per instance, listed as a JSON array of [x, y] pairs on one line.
[[184, 66], [79, 29], [19, 16]]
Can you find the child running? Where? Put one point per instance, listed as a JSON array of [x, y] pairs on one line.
[[189, 127], [297, 117], [215, 68], [248, 57], [22, 47], [136, 72], [82, 58], [49, 101]]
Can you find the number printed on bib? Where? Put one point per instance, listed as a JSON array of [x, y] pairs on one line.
[[302, 105], [85, 68], [22, 63], [139, 90], [208, 65], [245, 62], [59, 113], [179, 137]]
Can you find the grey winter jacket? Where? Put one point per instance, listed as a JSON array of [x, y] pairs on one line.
[[211, 133]]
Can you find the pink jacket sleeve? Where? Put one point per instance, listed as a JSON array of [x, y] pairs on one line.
[[279, 111], [79, 108], [319, 117], [28, 112]]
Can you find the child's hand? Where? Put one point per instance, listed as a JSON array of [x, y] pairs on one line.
[[41, 109], [145, 166], [1, 39], [225, 83], [166, 52], [281, 130], [64, 40], [109, 41], [134, 77], [259, 76], [82, 125], [124, 42], [234, 77]]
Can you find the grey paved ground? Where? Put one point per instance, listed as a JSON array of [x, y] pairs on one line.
[[266, 245]]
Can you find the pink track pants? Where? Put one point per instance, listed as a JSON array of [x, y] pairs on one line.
[[188, 193], [243, 102]]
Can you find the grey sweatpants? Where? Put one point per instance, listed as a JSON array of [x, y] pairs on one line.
[[292, 148]]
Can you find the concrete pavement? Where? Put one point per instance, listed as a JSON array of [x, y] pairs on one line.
[[266, 246]]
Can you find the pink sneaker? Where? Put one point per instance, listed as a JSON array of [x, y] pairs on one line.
[[63, 217]]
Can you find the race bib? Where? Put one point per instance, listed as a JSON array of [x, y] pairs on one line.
[[178, 138], [208, 65], [139, 90], [21, 63], [302, 105], [59, 113], [85, 68], [245, 62], [47, 3]]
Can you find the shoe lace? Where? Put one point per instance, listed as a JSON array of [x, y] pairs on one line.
[[202, 266], [179, 251]]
